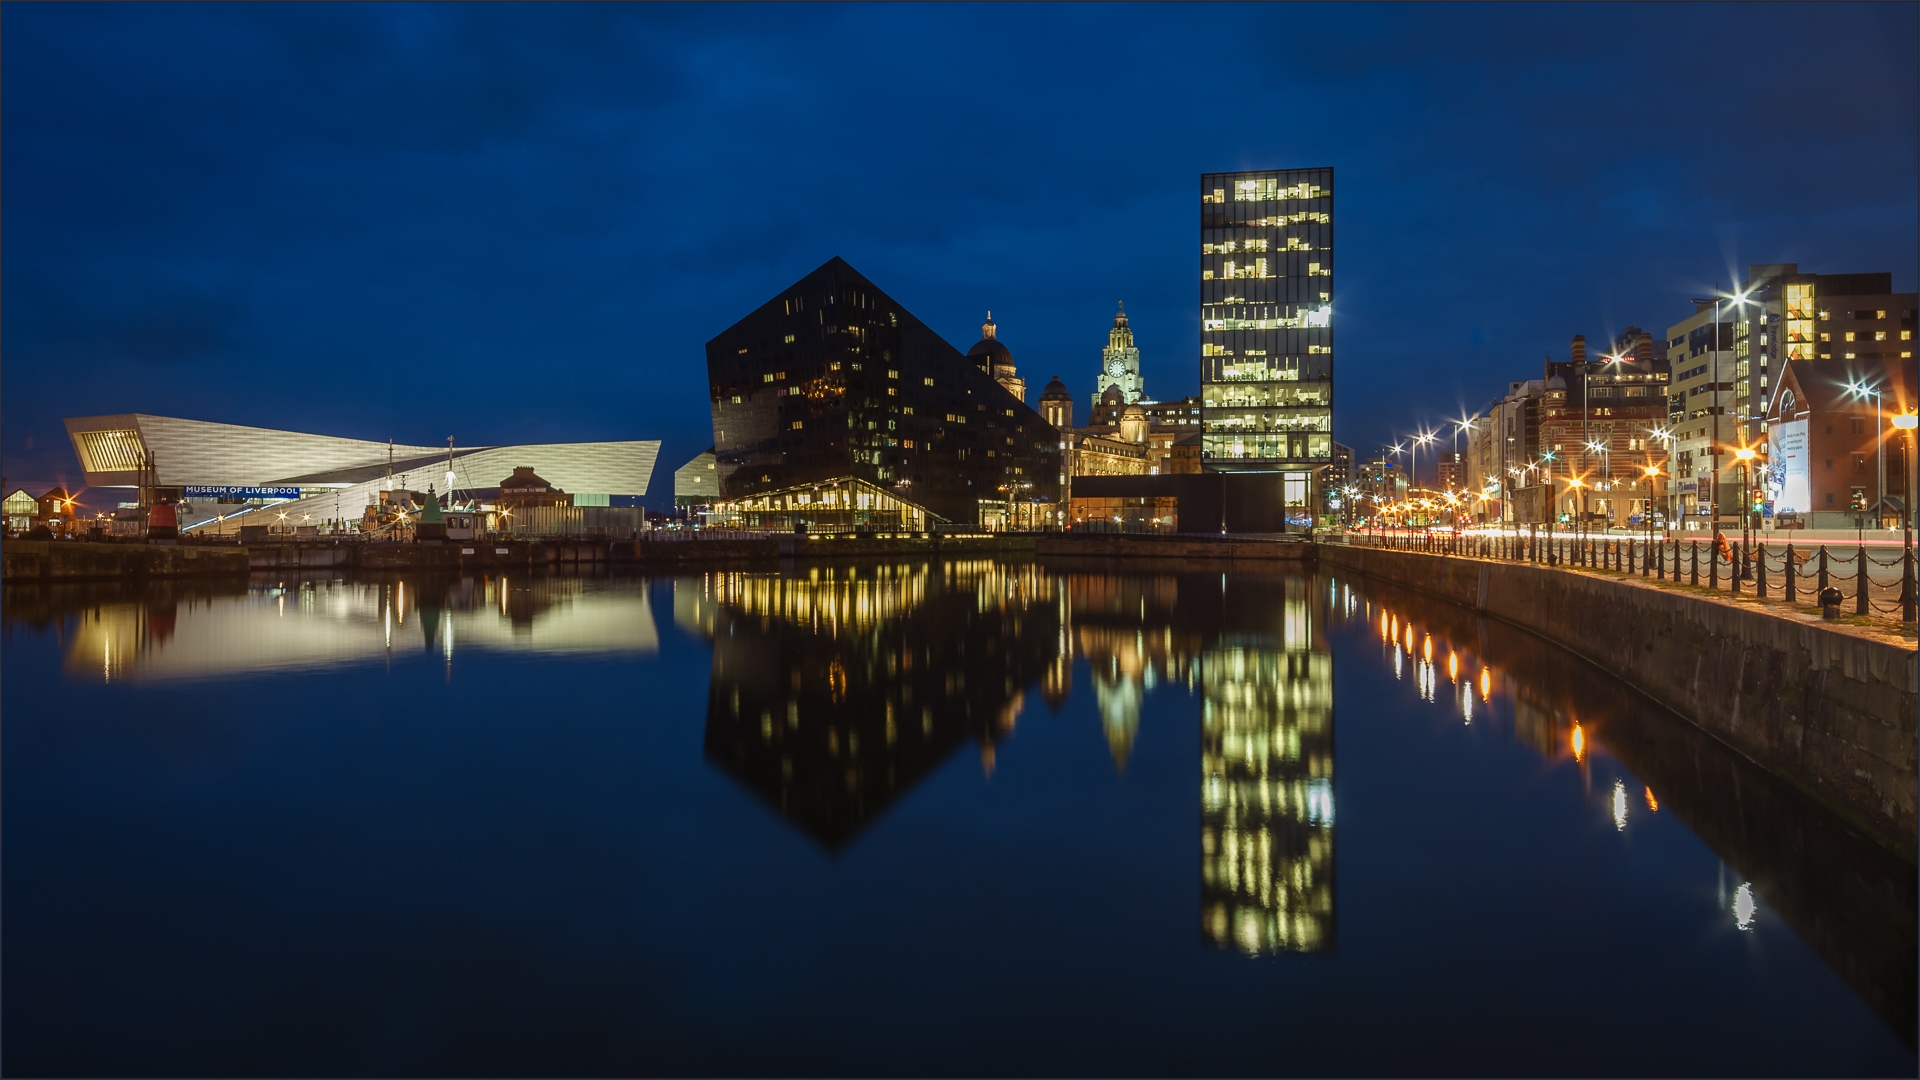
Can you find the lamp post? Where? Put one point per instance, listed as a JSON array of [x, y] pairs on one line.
[[1860, 390], [1714, 410], [1419, 439], [1907, 422], [1745, 454], [1605, 450], [1651, 471], [1666, 437]]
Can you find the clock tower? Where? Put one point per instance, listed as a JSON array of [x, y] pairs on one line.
[[1120, 363]]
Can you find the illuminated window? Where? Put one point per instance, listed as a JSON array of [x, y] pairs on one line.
[[796, 425], [927, 382], [1879, 314], [1255, 190], [789, 339], [766, 378], [1823, 337], [1906, 335], [1826, 337], [1879, 335]]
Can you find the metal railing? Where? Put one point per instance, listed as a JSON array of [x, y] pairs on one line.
[[1866, 582]]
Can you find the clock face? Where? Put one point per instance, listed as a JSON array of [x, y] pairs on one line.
[[1116, 369]]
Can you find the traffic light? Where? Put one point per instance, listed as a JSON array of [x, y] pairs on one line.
[[1859, 500]]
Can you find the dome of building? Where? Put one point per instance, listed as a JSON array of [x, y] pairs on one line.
[[1556, 383], [988, 352], [1113, 396], [1056, 391]]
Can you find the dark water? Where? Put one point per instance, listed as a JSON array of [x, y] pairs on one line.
[[950, 818]]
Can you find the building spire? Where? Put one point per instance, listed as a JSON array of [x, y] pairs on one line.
[[986, 328]]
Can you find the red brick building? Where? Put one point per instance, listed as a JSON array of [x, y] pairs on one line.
[[1824, 449], [1597, 419]]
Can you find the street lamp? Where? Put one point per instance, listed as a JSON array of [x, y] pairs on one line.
[[1860, 390], [1666, 437], [1651, 472], [1465, 423], [1907, 422], [1745, 454], [1420, 439], [1715, 410]]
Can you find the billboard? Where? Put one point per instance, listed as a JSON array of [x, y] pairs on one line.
[[1788, 475]]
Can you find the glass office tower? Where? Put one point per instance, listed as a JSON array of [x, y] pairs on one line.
[[1266, 323]]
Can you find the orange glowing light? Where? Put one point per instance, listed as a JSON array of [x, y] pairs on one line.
[[1652, 803], [1486, 684], [1453, 666], [1579, 743]]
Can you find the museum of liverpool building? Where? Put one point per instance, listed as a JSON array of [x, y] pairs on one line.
[[835, 409], [219, 471]]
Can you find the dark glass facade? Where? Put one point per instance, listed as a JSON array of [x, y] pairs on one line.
[[1266, 319], [833, 378]]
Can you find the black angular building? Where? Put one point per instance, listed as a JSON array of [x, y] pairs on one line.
[[834, 382]]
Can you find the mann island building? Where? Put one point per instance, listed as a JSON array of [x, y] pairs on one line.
[[834, 409], [225, 473]]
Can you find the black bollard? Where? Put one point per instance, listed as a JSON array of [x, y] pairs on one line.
[[1695, 567], [1793, 574], [1760, 572], [1822, 586], [1861, 583]]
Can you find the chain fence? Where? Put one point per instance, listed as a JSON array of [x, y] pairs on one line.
[[1863, 581]]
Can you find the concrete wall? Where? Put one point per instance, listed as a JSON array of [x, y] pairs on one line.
[[45, 560], [1184, 548], [1832, 712]]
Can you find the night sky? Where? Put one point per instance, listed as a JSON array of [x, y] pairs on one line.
[[522, 223]]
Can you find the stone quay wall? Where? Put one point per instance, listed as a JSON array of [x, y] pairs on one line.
[[69, 560], [1175, 546], [1832, 711]]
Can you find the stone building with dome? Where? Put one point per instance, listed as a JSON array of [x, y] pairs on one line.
[[994, 358]]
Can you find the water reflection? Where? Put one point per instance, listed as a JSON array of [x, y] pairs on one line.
[[835, 690], [284, 625], [832, 692], [1852, 901], [1266, 806]]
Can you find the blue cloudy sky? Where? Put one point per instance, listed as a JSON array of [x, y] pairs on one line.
[[516, 223]]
